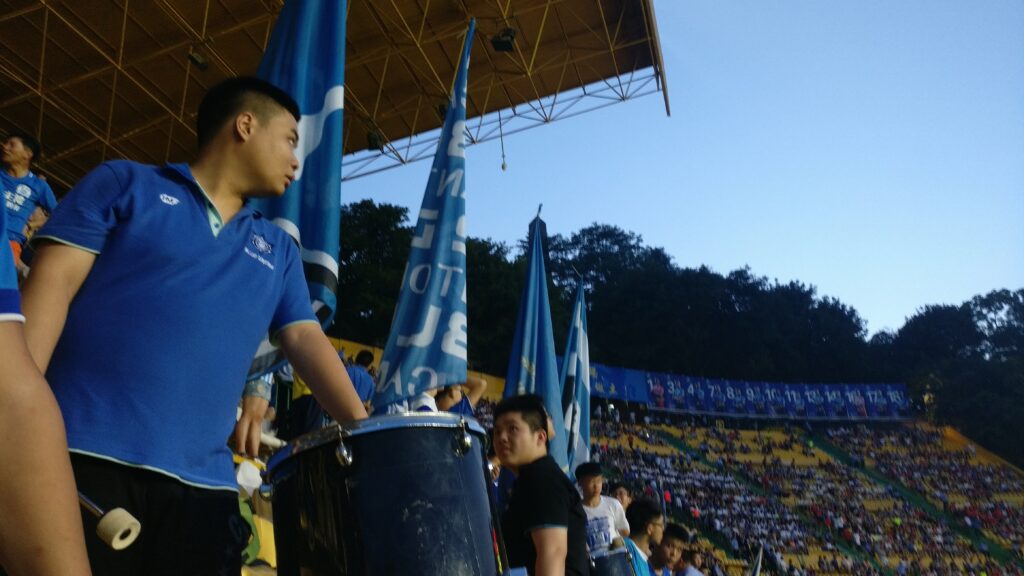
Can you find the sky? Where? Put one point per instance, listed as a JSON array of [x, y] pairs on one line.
[[872, 149]]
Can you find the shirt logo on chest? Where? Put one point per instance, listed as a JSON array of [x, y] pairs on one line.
[[261, 244], [262, 247], [169, 200]]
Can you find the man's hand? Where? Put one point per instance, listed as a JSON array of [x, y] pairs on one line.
[[246, 437]]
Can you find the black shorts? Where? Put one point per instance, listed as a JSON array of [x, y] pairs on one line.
[[185, 530]]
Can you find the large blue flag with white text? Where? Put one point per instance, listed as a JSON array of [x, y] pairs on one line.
[[532, 367], [427, 345], [306, 58], [575, 384]]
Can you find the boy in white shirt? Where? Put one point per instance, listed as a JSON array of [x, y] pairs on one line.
[[606, 520]]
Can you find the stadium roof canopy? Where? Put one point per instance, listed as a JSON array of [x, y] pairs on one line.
[[103, 79]]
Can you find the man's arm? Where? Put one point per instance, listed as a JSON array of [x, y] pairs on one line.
[[317, 362], [41, 531], [58, 271], [552, 545], [474, 389]]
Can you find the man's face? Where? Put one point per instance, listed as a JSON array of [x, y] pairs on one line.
[[698, 560], [514, 443], [15, 151], [592, 486], [656, 530], [622, 495], [670, 551], [272, 157]]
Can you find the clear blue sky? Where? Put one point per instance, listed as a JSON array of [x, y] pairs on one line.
[[874, 149]]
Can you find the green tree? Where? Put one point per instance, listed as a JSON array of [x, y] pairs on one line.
[[375, 241]]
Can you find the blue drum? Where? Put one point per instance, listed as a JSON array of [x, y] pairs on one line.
[[613, 563], [399, 494]]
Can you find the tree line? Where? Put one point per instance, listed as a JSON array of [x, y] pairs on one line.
[[963, 364]]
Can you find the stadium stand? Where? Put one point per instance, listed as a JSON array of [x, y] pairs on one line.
[[813, 513]]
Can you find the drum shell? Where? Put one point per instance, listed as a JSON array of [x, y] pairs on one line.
[[617, 563], [414, 500]]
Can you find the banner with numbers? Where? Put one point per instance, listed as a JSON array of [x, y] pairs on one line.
[[740, 398], [426, 348]]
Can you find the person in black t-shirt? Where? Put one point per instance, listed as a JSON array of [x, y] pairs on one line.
[[544, 526]]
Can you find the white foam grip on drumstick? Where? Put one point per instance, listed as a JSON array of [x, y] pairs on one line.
[[118, 529]]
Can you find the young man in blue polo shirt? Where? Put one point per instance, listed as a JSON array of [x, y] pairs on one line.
[[41, 528], [150, 292], [23, 190]]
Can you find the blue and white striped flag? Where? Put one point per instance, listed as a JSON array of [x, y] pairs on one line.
[[532, 366], [306, 58], [575, 384], [427, 345]]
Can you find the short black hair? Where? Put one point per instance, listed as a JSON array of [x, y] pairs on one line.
[[616, 486], [676, 532], [229, 98], [529, 406], [690, 554], [642, 512], [364, 358], [588, 470], [27, 140]]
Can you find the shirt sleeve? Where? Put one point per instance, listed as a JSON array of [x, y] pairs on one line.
[[294, 306], [545, 505], [89, 212], [10, 300], [47, 200], [620, 515]]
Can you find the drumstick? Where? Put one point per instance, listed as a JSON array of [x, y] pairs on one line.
[[117, 528]]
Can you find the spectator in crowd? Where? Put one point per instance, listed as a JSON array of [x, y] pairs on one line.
[[693, 561], [362, 380], [621, 493], [151, 290], [668, 552], [24, 191], [544, 524], [41, 527], [304, 413], [462, 399], [606, 520], [647, 524]]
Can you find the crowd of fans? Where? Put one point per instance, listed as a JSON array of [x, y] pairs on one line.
[[812, 514], [984, 496]]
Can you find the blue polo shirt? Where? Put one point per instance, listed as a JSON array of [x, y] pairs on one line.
[[362, 381], [21, 196], [158, 340], [10, 303]]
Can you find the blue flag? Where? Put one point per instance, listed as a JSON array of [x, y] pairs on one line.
[[532, 367], [427, 345], [575, 384], [306, 58]]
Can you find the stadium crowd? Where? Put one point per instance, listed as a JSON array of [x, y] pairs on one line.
[[812, 513], [984, 496]]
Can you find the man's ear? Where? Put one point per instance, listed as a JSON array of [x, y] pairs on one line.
[[245, 123], [543, 437]]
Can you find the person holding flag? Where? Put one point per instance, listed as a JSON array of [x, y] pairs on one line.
[[426, 348], [150, 292], [544, 525]]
